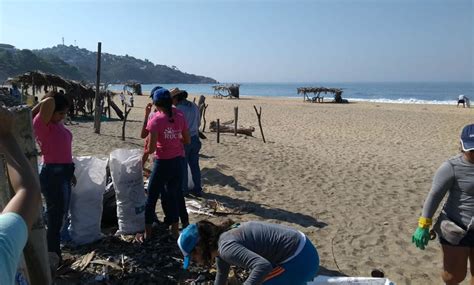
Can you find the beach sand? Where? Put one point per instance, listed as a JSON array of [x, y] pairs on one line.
[[353, 177]]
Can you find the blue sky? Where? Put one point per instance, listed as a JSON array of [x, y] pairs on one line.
[[263, 41]]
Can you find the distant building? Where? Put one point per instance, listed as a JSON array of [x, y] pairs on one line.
[[6, 47]]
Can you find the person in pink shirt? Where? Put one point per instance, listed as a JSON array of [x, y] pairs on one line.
[[57, 172], [168, 132]]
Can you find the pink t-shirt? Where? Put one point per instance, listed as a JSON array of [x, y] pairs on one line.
[[55, 141], [169, 144]]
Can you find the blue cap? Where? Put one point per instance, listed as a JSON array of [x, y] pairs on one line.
[[467, 138], [187, 242], [160, 93], [153, 90]]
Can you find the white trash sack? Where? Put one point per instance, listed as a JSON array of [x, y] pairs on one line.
[[126, 171], [86, 199], [329, 280]]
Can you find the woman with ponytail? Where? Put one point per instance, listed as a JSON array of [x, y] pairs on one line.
[[274, 254], [57, 172], [167, 133]]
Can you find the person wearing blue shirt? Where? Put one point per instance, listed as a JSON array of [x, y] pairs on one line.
[[21, 212], [191, 113]]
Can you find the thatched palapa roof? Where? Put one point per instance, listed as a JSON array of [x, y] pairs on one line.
[[305, 90], [38, 79], [317, 91]]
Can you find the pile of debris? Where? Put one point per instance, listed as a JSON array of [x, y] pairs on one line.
[[122, 260]]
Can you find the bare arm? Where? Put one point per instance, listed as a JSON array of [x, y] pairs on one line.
[[186, 137], [46, 111], [152, 144], [24, 181], [145, 132]]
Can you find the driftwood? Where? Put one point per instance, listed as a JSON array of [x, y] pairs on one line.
[[259, 116], [228, 127]]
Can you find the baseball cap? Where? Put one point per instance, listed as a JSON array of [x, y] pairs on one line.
[[160, 93], [187, 242], [153, 90], [467, 138]]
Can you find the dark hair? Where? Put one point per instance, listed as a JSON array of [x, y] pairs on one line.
[[209, 234], [167, 104], [61, 102], [182, 95]]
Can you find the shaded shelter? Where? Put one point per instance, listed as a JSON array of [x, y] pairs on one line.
[[81, 96], [318, 91], [135, 86], [228, 91]]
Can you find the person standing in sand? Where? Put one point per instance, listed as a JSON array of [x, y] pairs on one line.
[[57, 173], [191, 113], [274, 254], [168, 132], [149, 113], [455, 225]]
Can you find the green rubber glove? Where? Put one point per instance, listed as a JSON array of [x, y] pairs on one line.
[[421, 237]]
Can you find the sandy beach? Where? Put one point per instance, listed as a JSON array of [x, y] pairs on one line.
[[353, 177]]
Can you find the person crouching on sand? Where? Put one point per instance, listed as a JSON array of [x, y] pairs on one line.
[[455, 225], [275, 254]]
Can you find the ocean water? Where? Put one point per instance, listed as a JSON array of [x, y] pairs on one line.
[[393, 92]]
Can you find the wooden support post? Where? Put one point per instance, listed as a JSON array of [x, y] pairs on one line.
[[98, 111], [125, 120], [259, 115], [204, 117], [236, 117], [108, 104], [36, 249], [218, 131]]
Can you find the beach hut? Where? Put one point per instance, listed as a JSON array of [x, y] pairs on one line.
[[81, 95], [227, 91], [318, 96], [135, 86]]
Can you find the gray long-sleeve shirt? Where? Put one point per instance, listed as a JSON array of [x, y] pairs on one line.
[[256, 246], [455, 176]]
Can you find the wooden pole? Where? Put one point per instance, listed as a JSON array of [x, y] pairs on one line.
[[236, 117], [259, 122], [218, 131], [204, 117], [36, 250], [125, 120], [98, 111], [108, 104]]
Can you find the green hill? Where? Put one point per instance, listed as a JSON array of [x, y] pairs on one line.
[[80, 64], [14, 62], [117, 69]]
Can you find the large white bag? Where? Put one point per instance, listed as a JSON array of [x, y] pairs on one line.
[[126, 170], [86, 199]]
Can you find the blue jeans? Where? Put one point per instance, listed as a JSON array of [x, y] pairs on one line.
[[192, 158], [166, 180], [55, 182], [299, 270]]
